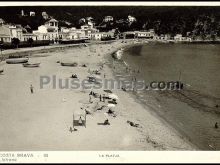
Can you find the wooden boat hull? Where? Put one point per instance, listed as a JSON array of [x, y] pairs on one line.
[[16, 60], [69, 64], [31, 65]]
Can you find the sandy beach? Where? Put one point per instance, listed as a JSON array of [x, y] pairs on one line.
[[41, 121]]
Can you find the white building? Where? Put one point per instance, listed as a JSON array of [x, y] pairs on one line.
[[44, 15], [180, 38], [101, 35], [72, 33], [26, 36], [48, 31], [32, 13], [131, 19], [1, 21], [145, 34], [108, 19], [7, 32], [22, 13], [16, 31]]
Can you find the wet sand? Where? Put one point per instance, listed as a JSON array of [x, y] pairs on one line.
[[41, 121]]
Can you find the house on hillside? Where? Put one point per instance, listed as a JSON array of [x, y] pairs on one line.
[[1, 21], [180, 38], [32, 13], [131, 19], [108, 19], [44, 15]]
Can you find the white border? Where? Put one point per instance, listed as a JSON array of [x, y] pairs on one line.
[[98, 3], [106, 157]]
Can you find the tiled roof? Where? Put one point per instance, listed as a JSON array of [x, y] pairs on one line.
[[53, 20]]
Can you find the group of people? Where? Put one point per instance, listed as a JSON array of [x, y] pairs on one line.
[[101, 97]]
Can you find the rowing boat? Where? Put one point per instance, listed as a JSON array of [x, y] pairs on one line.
[[73, 64], [16, 60], [31, 65]]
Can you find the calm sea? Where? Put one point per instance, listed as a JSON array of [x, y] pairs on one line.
[[193, 111]]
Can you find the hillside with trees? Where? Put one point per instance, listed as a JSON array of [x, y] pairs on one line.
[[202, 22]]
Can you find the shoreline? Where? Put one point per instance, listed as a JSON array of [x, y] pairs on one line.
[[52, 111], [146, 107], [51, 48]]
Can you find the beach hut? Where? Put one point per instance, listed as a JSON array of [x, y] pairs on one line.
[[79, 118]]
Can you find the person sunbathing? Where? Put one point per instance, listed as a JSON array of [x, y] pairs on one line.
[[133, 124], [72, 129], [74, 76], [123, 88], [106, 122]]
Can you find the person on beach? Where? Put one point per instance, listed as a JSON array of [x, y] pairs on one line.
[[80, 121], [216, 125], [106, 122], [32, 89], [90, 98], [72, 129], [91, 93], [100, 97], [104, 75], [127, 69], [103, 98]]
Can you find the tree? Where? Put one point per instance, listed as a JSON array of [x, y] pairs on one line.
[[15, 42], [30, 41]]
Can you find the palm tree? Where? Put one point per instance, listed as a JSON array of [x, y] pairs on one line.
[[15, 42]]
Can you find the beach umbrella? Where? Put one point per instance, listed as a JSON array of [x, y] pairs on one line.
[[111, 105], [107, 91], [113, 96]]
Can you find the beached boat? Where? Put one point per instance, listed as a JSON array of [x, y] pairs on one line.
[[16, 60], [72, 64], [31, 65], [1, 71]]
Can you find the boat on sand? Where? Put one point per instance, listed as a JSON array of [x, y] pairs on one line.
[[72, 64], [1, 71], [31, 65], [16, 60]]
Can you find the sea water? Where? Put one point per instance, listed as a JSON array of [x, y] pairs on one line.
[[194, 110]]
